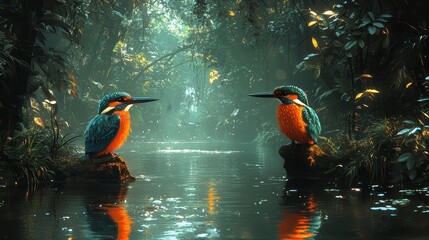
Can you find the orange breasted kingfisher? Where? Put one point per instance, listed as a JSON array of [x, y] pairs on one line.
[[296, 119], [110, 128]]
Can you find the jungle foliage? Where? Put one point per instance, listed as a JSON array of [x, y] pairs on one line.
[[359, 61]]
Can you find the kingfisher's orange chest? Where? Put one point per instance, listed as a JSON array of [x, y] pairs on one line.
[[121, 136], [291, 123]]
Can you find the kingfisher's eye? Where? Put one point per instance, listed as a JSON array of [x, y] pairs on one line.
[[121, 100]]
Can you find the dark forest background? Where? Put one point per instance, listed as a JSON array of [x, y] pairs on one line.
[[364, 65]]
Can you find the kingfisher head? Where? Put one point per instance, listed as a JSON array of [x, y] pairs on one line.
[[286, 95], [119, 101]]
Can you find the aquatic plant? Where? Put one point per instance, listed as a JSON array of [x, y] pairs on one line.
[[29, 155], [414, 160], [371, 158], [25, 155]]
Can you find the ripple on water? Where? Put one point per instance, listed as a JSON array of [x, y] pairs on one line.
[[200, 151]]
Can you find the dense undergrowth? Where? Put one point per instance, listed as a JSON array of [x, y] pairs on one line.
[[31, 155], [391, 151]]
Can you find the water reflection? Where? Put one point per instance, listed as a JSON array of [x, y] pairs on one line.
[[301, 220], [212, 198], [212, 192], [108, 217]]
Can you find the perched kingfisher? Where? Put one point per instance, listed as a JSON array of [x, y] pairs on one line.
[[296, 119], [110, 128]]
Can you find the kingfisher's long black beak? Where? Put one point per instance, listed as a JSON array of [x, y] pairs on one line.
[[136, 100], [263, 95]]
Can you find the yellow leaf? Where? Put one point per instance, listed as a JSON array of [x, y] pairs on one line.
[[314, 42], [312, 23], [313, 13], [271, 10], [39, 121], [231, 13], [408, 84], [328, 13], [372, 91], [214, 75], [359, 95], [425, 114], [366, 75]]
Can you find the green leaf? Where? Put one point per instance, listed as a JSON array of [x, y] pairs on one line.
[[404, 157], [350, 45], [423, 100], [381, 20], [371, 30], [364, 23], [385, 15], [371, 15], [386, 42], [410, 164], [378, 24], [414, 131], [412, 174], [409, 122], [361, 43], [403, 131]]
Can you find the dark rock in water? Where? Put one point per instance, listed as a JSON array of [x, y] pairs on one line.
[[299, 167], [110, 168]]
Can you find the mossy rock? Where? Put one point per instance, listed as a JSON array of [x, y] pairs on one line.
[[299, 167], [110, 168]]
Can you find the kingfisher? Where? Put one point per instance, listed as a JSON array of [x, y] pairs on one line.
[[110, 128], [296, 119]]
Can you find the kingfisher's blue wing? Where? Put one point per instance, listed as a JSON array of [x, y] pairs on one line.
[[313, 124], [100, 131]]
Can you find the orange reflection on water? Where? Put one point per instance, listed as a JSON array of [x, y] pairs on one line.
[[212, 198], [296, 224], [120, 216]]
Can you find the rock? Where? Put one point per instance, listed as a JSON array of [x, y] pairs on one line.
[[299, 167], [110, 168]]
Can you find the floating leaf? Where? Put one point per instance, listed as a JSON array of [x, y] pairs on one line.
[[311, 23], [404, 157], [408, 84], [214, 75], [314, 42], [235, 112], [366, 75], [231, 13], [359, 95]]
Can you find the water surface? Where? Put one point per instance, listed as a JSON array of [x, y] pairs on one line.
[[211, 191]]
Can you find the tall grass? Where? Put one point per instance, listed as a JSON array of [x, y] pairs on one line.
[[27, 156]]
